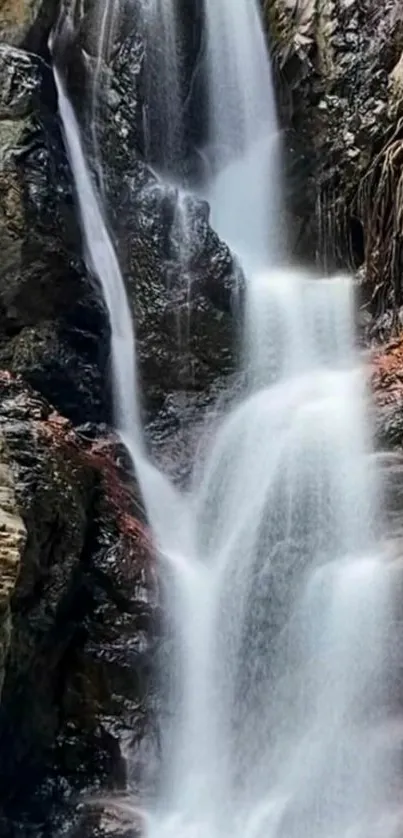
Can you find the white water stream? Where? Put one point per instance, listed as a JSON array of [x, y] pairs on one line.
[[243, 147], [279, 592], [162, 79]]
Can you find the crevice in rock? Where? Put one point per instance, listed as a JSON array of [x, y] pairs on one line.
[[357, 242]]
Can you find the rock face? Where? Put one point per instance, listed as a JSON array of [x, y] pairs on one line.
[[78, 614], [387, 386], [53, 328], [183, 290], [339, 74], [386, 377], [182, 279]]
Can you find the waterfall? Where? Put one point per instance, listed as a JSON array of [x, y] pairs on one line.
[[102, 262], [164, 506], [104, 27], [277, 583], [243, 146], [164, 96]]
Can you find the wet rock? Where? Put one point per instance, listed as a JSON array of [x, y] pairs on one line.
[[183, 285], [54, 496], [390, 466], [182, 280], [53, 326], [181, 432], [338, 73], [79, 620]]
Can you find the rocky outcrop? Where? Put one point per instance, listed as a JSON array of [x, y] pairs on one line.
[[338, 72], [78, 613], [183, 286], [53, 328]]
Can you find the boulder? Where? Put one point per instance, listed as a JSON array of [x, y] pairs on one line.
[[182, 282]]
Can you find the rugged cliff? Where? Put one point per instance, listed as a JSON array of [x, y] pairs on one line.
[[338, 67], [78, 612]]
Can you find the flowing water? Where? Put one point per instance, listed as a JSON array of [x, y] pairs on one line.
[[163, 91], [278, 588], [245, 193], [164, 506], [105, 17]]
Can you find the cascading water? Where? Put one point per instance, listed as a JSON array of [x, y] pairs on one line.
[[164, 99], [164, 505], [278, 588], [243, 144]]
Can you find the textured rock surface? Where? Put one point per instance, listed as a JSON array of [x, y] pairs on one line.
[[177, 270], [80, 628], [387, 386], [53, 328], [386, 376], [182, 280], [338, 69], [78, 598]]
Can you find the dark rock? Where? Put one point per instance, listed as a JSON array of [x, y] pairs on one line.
[[182, 280], [79, 622], [338, 74], [176, 268], [53, 326]]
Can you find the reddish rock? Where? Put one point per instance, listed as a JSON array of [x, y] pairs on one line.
[[387, 373]]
